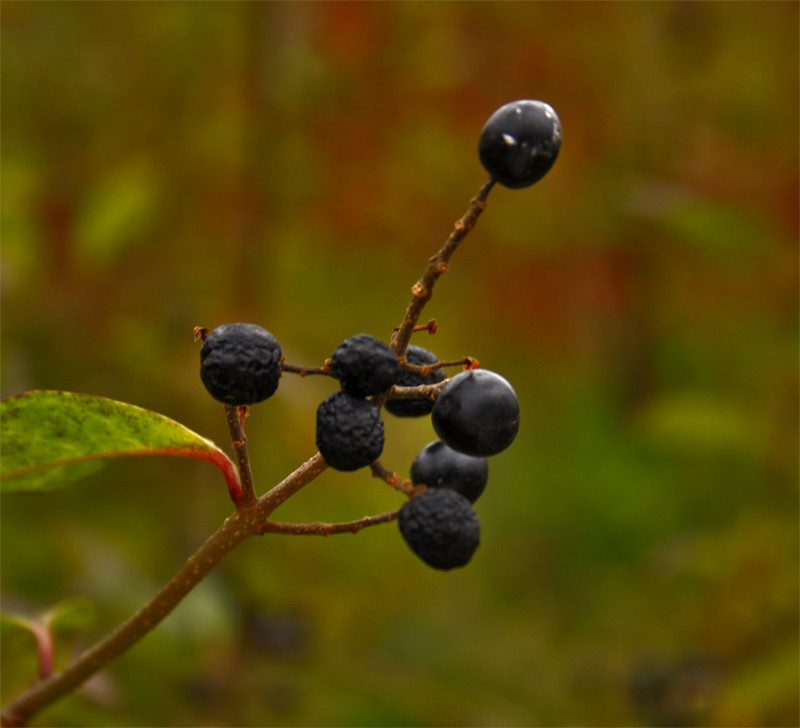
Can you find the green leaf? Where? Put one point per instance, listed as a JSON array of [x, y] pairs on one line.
[[50, 439], [10, 622], [74, 614]]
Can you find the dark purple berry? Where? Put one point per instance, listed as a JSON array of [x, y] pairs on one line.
[[349, 431], [440, 527], [416, 407], [520, 142], [240, 364], [439, 466], [477, 413], [364, 365]]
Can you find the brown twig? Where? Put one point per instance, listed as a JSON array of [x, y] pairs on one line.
[[392, 478], [431, 327], [421, 391], [305, 371], [468, 362], [236, 416], [327, 529], [422, 290]]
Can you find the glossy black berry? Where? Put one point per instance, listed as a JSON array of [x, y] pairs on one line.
[[364, 365], [439, 466], [477, 413], [520, 142], [440, 527], [416, 407], [240, 364], [349, 431]]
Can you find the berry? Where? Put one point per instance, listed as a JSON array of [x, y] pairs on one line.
[[240, 364], [440, 527], [416, 407], [349, 431], [477, 413], [520, 142], [439, 466], [364, 365]]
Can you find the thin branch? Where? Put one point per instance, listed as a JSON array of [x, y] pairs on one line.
[[305, 371], [431, 327], [327, 529], [236, 416], [421, 391], [393, 479], [468, 362], [422, 290]]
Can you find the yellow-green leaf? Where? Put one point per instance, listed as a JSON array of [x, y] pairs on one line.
[[51, 438]]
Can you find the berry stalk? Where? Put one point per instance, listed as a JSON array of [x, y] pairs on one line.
[[328, 529], [422, 290], [235, 416]]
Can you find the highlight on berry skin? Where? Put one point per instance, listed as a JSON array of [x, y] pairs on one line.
[[477, 413], [520, 142]]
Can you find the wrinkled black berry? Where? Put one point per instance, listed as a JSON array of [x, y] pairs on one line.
[[415, 407], [440, 527], [477, 413], [349, 431], [240, 364], [520, 142], [439, 466], [364, 365]]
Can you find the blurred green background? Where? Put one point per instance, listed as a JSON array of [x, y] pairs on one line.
[[172, 164]]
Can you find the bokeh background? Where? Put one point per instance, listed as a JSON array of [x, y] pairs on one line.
[[167, 165]]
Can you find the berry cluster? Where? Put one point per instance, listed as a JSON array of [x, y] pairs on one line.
[[475, 413]]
